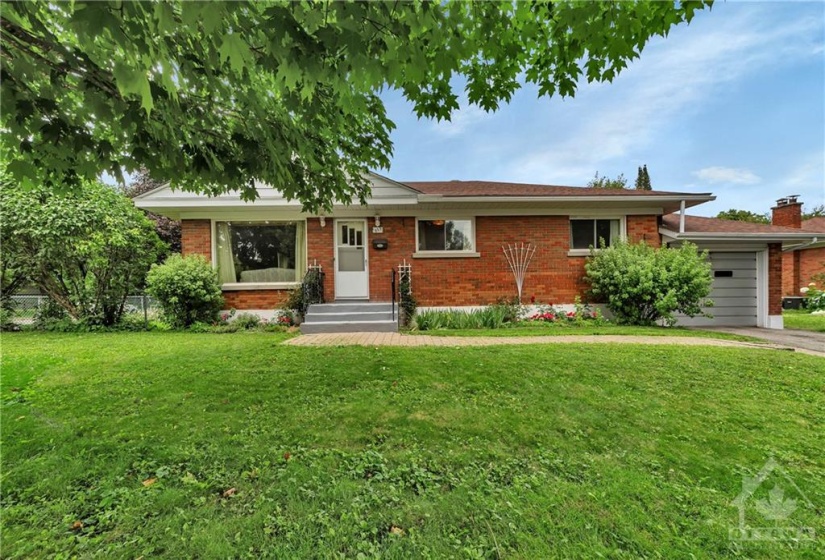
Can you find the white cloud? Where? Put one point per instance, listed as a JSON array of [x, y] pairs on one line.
[[462, 120], [672, 79], [728, 175]]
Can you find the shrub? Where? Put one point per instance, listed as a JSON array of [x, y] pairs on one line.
[[187, 289], [310, 291], [407, 302], [642, 285], [87, 248], [247, 321], [814, 297], [492, 317]]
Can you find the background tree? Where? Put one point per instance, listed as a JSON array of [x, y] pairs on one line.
[[597, 182], [816, 212], [216, 95], [167, 229], [744, 216], [643, 179], [87, 249]]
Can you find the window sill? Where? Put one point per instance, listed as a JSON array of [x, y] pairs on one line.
[[259, 286], [446, 255], [579, 252]]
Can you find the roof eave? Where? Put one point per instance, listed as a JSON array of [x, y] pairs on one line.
[[567, 198], [733, 236]]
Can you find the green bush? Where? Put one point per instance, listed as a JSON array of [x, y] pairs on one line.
[[642, 285], [492, 317], [246, 321], [814, 296], [407, 302], [87, 248], [187, 289]]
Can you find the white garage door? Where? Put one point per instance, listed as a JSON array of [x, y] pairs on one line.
[[733, 293]]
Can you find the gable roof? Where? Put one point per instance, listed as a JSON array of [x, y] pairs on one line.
[[497, 188]]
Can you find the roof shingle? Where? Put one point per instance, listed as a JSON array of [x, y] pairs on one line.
[[700, 224], [493, 188]]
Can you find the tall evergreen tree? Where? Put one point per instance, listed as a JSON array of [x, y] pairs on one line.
[[643, 179], [640, 177]]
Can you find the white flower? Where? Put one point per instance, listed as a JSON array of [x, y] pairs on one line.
[[804, 290], [812, 284]]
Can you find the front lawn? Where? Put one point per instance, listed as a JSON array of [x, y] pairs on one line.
[[184, 445], [802, 320]]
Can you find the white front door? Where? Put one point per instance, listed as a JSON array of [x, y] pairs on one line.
[[351, 270]]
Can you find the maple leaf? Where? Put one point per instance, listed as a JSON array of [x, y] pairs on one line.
[[776, 507]]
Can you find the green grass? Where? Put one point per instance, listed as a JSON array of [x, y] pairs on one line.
[[802, 320], [616, 451], [586, 328]]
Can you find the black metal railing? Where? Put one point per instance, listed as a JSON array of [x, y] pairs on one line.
[[393, 290]]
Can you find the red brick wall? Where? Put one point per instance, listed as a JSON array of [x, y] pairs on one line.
[[790, 273], [320, 250], [775, 279], [644, 228], [196, 238], [811, 263], [552, 277], [254, 299]]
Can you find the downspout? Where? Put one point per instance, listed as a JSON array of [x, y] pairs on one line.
[[682, 217], [803, 246]]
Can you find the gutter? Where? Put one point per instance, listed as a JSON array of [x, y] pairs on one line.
[[813, 241], [723, 236]]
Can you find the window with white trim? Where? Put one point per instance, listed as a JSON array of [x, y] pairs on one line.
[[590, 233], [445, 235], [260, 252]]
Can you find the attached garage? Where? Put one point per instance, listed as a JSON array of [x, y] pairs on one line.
[[746, 263]]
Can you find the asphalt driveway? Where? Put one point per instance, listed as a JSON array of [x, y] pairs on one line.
[[802, 340]]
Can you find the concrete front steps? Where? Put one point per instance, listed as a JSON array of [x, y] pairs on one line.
[[345, 317]]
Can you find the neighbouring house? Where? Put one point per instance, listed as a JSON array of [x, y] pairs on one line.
[[802, 263], [452, 234]]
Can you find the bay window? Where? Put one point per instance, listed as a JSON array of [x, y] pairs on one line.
[[260, 252]]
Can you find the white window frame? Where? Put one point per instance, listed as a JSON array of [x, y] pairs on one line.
[[419, 254], [585, 252], [239, 286]]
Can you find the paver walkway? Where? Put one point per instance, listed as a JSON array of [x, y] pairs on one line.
[[397, 339]]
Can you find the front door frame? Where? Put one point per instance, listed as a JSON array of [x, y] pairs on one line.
[[366, 259]]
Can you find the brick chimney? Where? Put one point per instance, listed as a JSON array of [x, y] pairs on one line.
[[787, 212]]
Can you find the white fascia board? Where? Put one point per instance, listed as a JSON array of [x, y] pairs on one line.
[[722, 236]]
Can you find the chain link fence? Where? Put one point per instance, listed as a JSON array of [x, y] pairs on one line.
[[25, 308]]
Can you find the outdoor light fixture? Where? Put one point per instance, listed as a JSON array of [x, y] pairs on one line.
[[323, 220]]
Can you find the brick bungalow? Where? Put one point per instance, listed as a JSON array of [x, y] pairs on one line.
[[801, 263], [452, 233]]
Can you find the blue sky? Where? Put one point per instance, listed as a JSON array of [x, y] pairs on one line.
[[733, 104]]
